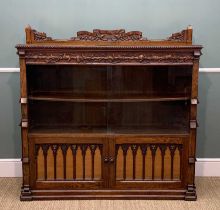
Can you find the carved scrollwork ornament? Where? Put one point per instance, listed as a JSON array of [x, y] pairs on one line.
[[64, 148], [172, 148], [45, 148], [108, 35], [54, 148], [144, 149], [84, 148], [37, 147], [134, 148], [74, 148], [93, 148], [41, 36], [163, 148], [124, 148], [153, 148]]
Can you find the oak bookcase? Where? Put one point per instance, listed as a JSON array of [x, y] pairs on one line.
[[108, 114]]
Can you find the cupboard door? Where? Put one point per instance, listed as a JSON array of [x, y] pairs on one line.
[[148, 162], [68, 163]]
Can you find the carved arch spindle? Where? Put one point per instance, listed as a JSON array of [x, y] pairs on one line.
[[172, 153], [54, 148], [153, 149], [100, 146], [84, 148], [124, 149], [180, 148], [163, 148], [117, 146], [37, 148], [93, 149], [45, 148], [134, 148], [116, 150], [74, 149], [64, 148], [144, 152]]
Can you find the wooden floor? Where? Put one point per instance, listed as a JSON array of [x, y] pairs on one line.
[[208, 190]]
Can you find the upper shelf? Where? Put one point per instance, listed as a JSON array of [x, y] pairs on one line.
[[70, 97], [109, 37]]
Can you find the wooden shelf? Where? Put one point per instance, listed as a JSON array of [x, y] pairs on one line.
[[68, 97]]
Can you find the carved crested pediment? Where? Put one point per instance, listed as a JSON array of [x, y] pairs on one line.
[[108, 35], [184, 37]]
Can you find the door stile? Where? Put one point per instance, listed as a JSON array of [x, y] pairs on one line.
[[111, 162], [105, 167]]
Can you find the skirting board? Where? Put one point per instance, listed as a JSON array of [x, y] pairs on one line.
[[204, 167], [205, 70]]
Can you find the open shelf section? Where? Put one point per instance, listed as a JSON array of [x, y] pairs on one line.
[[109, 83], [162, 117], [71, 97]]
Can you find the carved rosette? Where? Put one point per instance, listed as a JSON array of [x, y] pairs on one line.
[[108, 57]]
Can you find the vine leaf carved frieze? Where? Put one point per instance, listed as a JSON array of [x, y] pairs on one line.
[[108, 57]]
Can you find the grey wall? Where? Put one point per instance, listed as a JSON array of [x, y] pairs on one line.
[[156, 19], [10, 144]]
